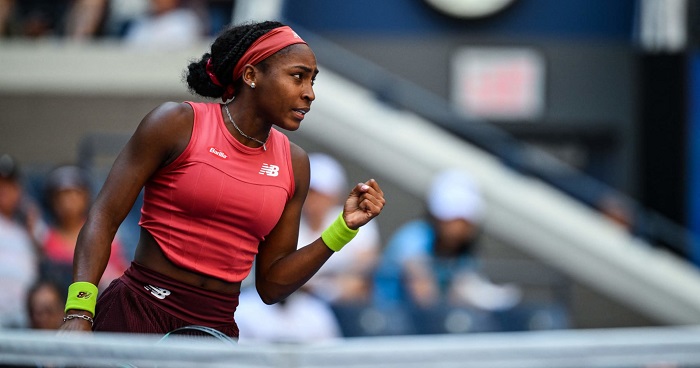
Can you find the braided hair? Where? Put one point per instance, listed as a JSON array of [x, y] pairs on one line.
[[226, 50]]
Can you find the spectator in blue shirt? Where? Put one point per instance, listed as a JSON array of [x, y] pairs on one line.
[[432, 261]]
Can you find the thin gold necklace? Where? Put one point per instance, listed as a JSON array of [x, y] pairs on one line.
[[243, 134]]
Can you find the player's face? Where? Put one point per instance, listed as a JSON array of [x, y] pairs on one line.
[[285, 88]]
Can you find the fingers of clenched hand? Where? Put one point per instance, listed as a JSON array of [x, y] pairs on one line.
[[372, 198], [365, 202]]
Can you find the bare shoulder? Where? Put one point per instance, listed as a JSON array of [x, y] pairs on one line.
[[300, 165], [297, 152], [300, 159], [166, 130], [173, 113]]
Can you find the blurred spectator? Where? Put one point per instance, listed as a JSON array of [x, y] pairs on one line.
[[432, 262], [301, 318], [168, 24], [76, 19], [85, 19], [346, 276], [345, 279], [18, 260], [6, 10], [45, 305], [122, 13], [68, 196], [33, 18]]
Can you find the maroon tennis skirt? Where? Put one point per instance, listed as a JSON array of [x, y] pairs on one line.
[[145, 301]]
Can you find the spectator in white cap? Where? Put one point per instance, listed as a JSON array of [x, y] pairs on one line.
[[345, 277], [432, 261], [306, 316]]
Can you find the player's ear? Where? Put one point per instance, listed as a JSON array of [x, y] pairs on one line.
[[249, 75]]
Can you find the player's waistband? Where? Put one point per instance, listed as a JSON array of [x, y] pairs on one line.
[[190, 303]]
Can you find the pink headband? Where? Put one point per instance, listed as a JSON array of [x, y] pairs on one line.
[[261, 49]]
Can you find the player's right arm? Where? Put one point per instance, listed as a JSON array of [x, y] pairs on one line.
[[160, 138]]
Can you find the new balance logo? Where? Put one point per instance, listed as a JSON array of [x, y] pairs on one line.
[[217, 152], [84, 295], [269, 170], [159, 293]]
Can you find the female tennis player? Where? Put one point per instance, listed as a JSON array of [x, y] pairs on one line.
[[222, 185]]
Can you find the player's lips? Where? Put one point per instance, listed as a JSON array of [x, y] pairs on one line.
[[301, 112]]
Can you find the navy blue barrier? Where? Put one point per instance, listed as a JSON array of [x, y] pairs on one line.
[[367, 320]]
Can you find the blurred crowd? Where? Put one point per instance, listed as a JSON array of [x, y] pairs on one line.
[[38, 234], [37, 241], [168, 23], [425, 278]]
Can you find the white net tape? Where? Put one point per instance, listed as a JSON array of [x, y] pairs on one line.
[[619, 348]]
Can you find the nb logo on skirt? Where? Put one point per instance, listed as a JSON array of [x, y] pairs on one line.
[[159, 293]]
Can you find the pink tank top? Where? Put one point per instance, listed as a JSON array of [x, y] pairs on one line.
[[210, 208]]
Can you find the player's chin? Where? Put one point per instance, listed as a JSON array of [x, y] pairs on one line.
[[290, 125]]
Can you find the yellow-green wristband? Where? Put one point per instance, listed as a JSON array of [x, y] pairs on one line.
[[83, 296], [338, 234]]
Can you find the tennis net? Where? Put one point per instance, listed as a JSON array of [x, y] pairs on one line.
[[676, 347]]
